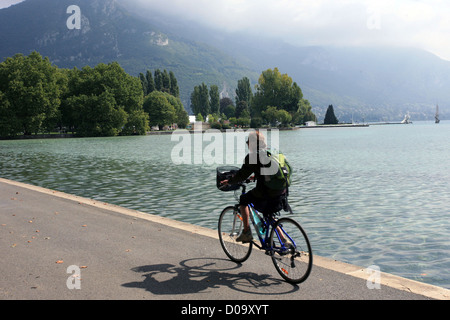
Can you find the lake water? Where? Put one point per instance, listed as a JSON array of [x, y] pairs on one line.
[[375, 195]]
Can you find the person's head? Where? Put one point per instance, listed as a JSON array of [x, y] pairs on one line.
[[256, 141]]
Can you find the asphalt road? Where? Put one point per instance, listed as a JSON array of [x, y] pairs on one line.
[[56, 246]]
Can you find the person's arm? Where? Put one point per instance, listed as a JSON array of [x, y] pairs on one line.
[[244, 172]]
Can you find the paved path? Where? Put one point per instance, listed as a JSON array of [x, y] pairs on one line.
[[116, 253]]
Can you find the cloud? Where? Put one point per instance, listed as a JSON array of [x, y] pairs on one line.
[[417, 23], [7, 3]]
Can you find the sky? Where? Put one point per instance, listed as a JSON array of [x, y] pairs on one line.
[[423, 24]]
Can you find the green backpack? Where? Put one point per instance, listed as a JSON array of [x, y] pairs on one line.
[[281, 179]]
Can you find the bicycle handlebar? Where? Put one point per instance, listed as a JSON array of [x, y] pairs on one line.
[[241, 184]]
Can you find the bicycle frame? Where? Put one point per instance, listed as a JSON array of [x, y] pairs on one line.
[[268, 224]]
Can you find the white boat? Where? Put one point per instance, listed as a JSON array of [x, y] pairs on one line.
[[407, 119]]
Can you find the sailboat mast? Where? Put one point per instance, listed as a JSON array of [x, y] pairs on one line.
[[436, 117]]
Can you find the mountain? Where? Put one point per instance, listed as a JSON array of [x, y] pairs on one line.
[[109, 32], [375, 84], [371, 84]]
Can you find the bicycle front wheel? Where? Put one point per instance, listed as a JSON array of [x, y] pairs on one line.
[[230, 227], [292, 254]]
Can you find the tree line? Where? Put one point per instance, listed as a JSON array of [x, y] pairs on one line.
[[277, 101], [36, 96]]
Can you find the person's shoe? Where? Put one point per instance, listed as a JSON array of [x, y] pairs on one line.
[[246, 236]]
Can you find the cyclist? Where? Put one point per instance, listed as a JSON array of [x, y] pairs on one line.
[[263, 199]]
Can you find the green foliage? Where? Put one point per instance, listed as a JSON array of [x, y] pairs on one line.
[[199, 117], [244, 91], [174, 88], [278, 90], [101, 101], [330, 118], [279, 101], [29, 94], [150, 83], [165, 109], [241, 108], [225, 102], [270, 115], [160, 110], [283, 117], [137, 123], [230, 111], [200, 102], [181, 116], [256, 122], [99, 115], [256, 110], [214, 98], [304, 113]]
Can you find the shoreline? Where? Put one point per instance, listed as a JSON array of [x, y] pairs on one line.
[[167, 132], [149, 133], [343, 125]]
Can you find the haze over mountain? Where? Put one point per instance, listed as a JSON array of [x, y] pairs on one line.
[[370, 83]]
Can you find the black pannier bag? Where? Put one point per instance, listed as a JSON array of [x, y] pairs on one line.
[[225, 173]]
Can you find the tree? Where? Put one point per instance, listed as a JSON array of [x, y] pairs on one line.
[[283, 117], [241, 107], [9, 123], [150, 82], [181, 116], [99, 115], [304, 113], [144, 83], [91, 89], [275, 89], [200, 100], [101, 101], [174, 89], [165, 82], [160, 110], [244, 91], [29, 94], [214, 99], [199, 117], [230, 111], [137, 123], [195, 101], [162, 81], [158, 80], [330, 118], [270, 115], [225, 102], [68, 110]]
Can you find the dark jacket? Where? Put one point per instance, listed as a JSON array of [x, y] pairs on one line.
[[249, 167]]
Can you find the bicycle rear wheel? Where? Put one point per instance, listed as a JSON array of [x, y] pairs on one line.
[[230, 227], [292, 254]]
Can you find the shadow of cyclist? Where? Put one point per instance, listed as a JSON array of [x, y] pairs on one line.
[[197, 275]]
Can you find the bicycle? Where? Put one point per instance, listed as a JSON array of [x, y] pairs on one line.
[[284, 240]]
